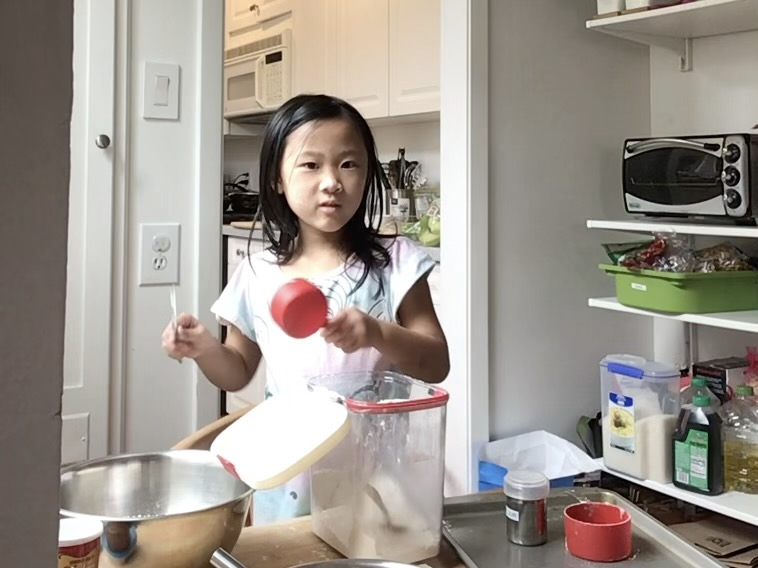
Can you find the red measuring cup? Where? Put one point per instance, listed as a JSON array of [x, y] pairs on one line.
[[299, 308]]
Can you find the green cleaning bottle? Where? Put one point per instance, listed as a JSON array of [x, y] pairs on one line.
[[697, 448]]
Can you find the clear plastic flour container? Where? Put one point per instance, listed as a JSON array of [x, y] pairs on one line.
[[379, 493], [640, 405]]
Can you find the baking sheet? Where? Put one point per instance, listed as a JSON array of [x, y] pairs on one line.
[[475, 527]]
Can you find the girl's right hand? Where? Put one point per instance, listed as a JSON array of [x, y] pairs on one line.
[[190, 339]]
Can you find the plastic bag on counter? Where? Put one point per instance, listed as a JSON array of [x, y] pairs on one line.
[[558, 459], [617, 251], [667, 253], [427, 230], [430, 228], [724, 257]]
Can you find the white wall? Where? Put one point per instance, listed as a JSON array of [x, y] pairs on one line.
[[718, 96], [171, 179], [562, 99], [241, 155], [421, 141]]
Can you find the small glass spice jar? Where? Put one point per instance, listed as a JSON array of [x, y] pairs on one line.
[[526, 507]]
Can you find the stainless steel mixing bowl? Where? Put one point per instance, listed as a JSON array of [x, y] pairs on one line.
[[170, 509]]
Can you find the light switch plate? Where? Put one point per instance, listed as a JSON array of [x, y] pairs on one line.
[[74, 438], [159, 254], [160, 97]]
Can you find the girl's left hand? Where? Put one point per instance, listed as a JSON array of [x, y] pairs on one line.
[[351, 330]]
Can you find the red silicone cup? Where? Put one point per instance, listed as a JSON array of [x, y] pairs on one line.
[[599, 532], [299, 308]]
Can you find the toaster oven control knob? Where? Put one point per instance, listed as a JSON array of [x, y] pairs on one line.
[[732, 153], [733, 199], [731, 176]]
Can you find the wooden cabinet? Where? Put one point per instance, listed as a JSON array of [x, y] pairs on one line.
[[387, 55], [312, 58], [242, 14], [361, 55], [414, 56], [382, 56]]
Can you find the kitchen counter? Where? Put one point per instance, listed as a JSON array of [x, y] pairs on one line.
[[229, 231], [287, 544]]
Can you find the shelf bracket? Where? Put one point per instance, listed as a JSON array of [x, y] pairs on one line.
[[681, 47]]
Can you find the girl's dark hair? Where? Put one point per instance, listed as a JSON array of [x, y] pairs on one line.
[[361, 236]]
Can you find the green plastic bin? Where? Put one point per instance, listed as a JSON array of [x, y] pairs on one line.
[[685, 292]]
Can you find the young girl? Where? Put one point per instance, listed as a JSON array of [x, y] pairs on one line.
[[321, 193]]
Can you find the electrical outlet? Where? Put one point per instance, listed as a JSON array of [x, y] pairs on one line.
[[159, 254]]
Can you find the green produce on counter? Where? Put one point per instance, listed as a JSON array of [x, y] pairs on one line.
[[427, 229]]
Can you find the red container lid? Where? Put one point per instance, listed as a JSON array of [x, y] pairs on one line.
[[381, 392]]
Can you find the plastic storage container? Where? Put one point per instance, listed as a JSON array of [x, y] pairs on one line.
[[740, 436], [685, 292], [379, 493], [640, 405]]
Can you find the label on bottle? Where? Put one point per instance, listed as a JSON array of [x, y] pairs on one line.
[[512, 514], [621, 416], [691, 460]]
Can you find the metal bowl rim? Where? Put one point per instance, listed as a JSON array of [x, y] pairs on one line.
[[81, 466]]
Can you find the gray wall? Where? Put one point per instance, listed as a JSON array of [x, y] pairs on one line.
[[35, 105], [562, 99]]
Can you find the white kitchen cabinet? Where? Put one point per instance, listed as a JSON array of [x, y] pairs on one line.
[[311, 42], [243, 14], [254, 392], [387, 55], [414, 56], [361, 55]]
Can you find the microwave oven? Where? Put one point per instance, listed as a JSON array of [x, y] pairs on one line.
[[714, 176], [257, 77]]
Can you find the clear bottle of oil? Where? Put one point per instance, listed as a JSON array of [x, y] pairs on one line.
[[698, 385], [697, 448], [740, 434]]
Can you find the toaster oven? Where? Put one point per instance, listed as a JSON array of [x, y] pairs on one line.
[[692, 176]]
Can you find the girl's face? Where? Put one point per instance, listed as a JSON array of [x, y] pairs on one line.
[[323, 174]]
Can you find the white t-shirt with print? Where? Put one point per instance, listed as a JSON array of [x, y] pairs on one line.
[[246, 303]]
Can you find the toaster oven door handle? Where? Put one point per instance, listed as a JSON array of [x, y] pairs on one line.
[[659, 143]]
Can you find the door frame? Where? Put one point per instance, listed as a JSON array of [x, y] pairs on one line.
[[463, 133], [89, 329], [209, 152], [465, 179]]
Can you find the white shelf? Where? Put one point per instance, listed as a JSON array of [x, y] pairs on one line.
[[678, 228], [735, 505], [674, 27], [701, 18], [739, 321]]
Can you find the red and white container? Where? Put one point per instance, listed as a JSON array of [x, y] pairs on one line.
[[379, 493], [79, 543]]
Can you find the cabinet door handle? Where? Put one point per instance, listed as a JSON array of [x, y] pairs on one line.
[[255, 8]]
